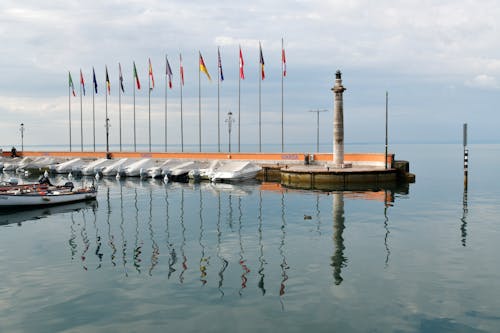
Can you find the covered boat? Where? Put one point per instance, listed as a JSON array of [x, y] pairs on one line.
[[134, 169], [113, 169], [67, 167], [93, 167], [236, 171]]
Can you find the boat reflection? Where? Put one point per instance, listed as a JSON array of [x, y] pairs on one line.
[[18, 217], [237, 235]]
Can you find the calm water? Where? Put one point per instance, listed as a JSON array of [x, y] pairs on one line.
[[154, 257]]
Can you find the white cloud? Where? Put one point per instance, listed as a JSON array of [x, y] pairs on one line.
[[483, 81], [407, 44]]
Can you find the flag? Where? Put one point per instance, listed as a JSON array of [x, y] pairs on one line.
[[95, 80], [283, 60], [181, 69], [261, 61], [203, 68], [151, 75], [82, 82], [136, 77], [242, 63], [71, 84], [169, 73], [108, 84], [219, 62], [121, 77]]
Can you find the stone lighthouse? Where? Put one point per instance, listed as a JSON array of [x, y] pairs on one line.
[[338, 122]]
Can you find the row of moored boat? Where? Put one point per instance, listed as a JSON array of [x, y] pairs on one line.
[[172, 169]]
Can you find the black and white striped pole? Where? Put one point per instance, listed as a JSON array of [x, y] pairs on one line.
[[466, 157]]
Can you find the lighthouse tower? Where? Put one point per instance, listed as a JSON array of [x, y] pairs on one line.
[[338, 122]]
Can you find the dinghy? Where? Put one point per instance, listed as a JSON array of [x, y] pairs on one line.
[[39, 195]]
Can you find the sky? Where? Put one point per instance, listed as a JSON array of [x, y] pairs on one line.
[[438, 61]]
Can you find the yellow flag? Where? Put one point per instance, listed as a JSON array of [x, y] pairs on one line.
[[203, 68]]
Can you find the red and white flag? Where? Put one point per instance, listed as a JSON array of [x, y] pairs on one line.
[[242, 64]]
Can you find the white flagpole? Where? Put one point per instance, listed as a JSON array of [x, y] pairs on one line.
[[81, 113], [69, 110], [120, 103]]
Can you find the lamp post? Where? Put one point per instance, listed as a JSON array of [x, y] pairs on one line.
[[21, 129], [317, 127], [229, 122]]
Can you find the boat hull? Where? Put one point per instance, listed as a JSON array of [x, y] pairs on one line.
[[43, 199]]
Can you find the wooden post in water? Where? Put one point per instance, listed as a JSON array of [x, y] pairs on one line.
[[466, 158]]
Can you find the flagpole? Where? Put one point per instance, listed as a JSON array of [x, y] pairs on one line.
[[93, 104], [199, 103], [120, 104], [133, 84], [260, 104], [282, 100], [218, 99], [239, 100], [107, 119], [81, 114], [166, 89], [182, 125], [69, 111], [149, 112]]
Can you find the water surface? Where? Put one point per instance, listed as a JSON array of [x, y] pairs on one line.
[[151, 257]]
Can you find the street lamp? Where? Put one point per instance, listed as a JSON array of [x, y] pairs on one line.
[[229, 122], [21, 129], [317, 127]]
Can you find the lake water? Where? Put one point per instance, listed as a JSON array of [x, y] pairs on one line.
[[155, 257]]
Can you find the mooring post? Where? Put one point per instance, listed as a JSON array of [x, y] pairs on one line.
[[338, 122], [466, 158]]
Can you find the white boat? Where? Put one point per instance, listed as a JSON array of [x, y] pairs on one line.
[[93, 167], [15, 163], [113, 169], [36, 164], [157, 171], [205, 173], [66, 167], [31, 195], [134, 169], [236, 171], [180, 172]]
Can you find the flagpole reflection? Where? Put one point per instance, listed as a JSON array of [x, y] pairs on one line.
[[72, 243], [243, 260], [155, 248], [387, 232], [284, 264], [138, 246], [111, 238], [224, 262], [122, 233], [204, 260], [86, 243], [98, 241], [183, 243], [172, 260], [262, 261]]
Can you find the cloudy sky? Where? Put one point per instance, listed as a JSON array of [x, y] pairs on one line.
[[437, 59]]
